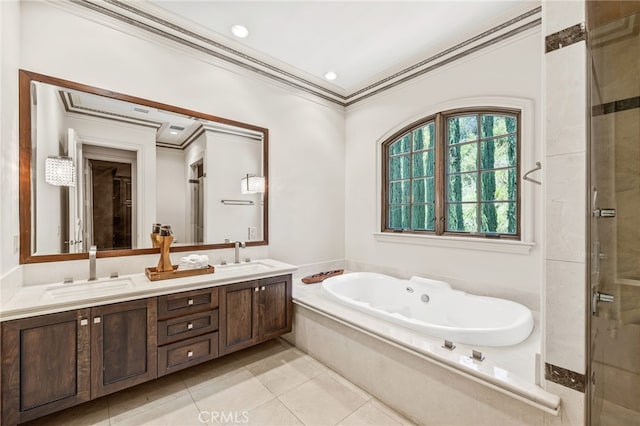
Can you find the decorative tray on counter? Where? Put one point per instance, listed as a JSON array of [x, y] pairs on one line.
[[321, 276], [153, 274]]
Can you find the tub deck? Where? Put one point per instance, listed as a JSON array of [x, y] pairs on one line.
[[511, 369]]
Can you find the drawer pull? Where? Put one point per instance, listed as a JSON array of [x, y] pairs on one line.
[[262, 288], [190, 354], [256, 289], [96, 320], [190, 302], [84, 321], [189, 326]]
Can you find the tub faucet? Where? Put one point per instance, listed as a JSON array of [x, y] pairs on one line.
[[92, 262]]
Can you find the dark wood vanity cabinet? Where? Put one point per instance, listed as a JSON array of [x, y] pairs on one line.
[[52, 362], [45, 365], [187, 329], [123, 345], [254, 311]]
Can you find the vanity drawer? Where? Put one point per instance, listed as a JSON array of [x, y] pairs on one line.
[[188, 302], [186, 353], [187, 326]]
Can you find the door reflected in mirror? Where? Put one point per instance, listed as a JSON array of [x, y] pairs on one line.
[[137, 163]]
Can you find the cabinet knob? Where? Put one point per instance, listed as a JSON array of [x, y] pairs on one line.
[[256, 289], [190, 302], [189, 326], [84, 321], [262, 288], [190, 354], [96, 320]]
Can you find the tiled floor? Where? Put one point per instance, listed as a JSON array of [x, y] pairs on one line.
[[273, 384]]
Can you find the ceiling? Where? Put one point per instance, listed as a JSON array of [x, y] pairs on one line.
[[362, 41]]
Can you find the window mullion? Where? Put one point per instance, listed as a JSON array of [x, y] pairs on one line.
[[479, 179], [439, 177]]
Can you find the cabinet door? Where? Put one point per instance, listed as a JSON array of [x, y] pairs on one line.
[[123, 345], [45, 365], [238, 316], [275, 307]]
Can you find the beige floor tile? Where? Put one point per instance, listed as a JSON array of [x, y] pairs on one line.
[[391, 413], [209, 371], [179, 411], [133, 401], [344, 382], [272, 413], [263, 350], [94, 413], [283, 371], [322, 401], [233, 393], [369, 415]]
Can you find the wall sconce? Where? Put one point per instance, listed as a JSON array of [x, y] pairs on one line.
[[60, 171], [252, 184]]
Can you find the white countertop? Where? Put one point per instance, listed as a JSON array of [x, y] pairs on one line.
[[32, 300]]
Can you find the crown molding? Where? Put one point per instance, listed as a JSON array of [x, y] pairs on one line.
[[193, 40]]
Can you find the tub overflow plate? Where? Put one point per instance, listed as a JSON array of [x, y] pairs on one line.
[[425, 298]]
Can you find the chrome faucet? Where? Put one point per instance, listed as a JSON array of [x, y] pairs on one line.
[[238, 246], [92, 262]]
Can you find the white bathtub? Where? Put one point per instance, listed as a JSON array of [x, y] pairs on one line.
[[433, 308]]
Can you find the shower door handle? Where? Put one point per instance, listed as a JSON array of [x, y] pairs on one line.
[[604, 213], [599, 297]]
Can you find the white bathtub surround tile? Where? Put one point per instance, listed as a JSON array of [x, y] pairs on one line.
[[181, 410], [93, 413], [144, 397], [560, 14], [566, 85], [566, 207], [322, 401], [271, 413], [572, 411], [424, 392], [565, 310], [234, 392], [369, 414]]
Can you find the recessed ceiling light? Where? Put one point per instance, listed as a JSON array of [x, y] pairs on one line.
[[330, 76], [240, 31]]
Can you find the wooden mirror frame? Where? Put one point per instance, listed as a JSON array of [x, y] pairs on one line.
[[25, 79]]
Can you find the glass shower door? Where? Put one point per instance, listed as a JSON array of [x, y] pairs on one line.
[[614, 388]]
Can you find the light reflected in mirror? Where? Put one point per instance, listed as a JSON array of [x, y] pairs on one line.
[[137, 162]]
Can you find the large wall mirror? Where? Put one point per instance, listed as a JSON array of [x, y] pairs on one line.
[[101, 168]]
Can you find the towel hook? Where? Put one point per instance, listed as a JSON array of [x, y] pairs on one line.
[[526, 175]]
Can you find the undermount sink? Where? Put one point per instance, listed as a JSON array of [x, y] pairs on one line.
[[253, 266], [88, 288]]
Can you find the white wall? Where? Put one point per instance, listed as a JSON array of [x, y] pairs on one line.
[[51, 141], [510, 69], [243, 156], [306, 204], [9, 46], [171, 197]]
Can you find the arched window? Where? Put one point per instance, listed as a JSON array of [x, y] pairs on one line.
[[455, 173]]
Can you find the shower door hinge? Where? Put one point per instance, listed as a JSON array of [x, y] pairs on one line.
[[604, 213]]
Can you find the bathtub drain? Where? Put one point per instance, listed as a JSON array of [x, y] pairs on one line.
[[425, 298]]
